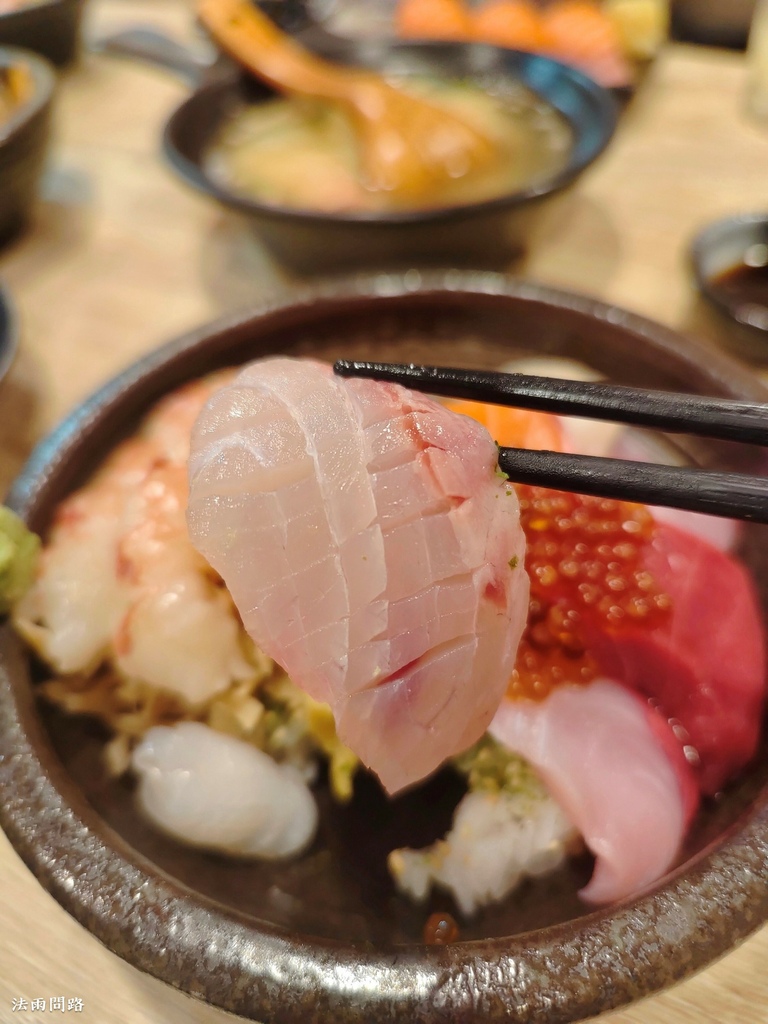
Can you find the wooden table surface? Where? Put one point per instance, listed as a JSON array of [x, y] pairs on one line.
[[122, 256]]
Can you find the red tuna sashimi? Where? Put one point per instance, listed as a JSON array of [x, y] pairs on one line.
[[704, 666], [371, 549]]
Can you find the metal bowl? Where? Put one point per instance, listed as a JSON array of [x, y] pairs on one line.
[[325, 938]]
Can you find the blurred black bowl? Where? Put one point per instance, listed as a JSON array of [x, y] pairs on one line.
[[712, 22], [49, 27], [487, 233], [24, 139]]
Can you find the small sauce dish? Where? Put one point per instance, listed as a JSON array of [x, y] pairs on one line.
[[730, 265]]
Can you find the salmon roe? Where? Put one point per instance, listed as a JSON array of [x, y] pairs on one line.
[[584, 560], [440, 929]]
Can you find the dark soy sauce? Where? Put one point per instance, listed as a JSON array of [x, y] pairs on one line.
[[744, 288]]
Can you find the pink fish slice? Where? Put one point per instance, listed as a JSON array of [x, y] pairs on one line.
[[372, 549]]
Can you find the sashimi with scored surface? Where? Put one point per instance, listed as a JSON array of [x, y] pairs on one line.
[[372, 550]]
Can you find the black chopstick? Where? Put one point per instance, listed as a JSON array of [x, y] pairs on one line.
[[733, 495], [723, 418]]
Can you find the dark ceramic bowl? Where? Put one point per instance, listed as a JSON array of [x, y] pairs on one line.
[[9, 333], [49, 27], [325, 938], [487, 233], [715, 23], [24, 141], [719, 248]]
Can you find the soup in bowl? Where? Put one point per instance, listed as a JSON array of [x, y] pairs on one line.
[[238, 142]]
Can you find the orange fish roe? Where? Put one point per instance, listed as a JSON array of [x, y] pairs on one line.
[[440, 929], [584, 559]]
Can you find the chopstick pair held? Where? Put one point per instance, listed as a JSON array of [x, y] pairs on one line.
[[734, 495]]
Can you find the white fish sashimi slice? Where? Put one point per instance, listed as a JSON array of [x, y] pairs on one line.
[[219, 793], [371, 549], [601, 758]]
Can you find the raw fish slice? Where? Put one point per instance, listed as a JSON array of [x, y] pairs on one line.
[[706, 667], [601, 751], [576, 434], [371, 549], [635, 446]]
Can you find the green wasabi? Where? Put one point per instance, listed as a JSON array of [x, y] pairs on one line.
[[490, 767], [19, 548]]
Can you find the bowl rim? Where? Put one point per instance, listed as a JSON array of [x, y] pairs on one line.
[[711, 234], [44, 80], [168, 930], [514, 61]]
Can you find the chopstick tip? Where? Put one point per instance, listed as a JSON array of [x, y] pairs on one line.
[[372, 370], [345, 367], [431, 379]]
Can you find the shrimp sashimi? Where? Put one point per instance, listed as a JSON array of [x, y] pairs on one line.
[[372, 550], [179, 632], [118, 580], [70, 612], [631, 794]]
